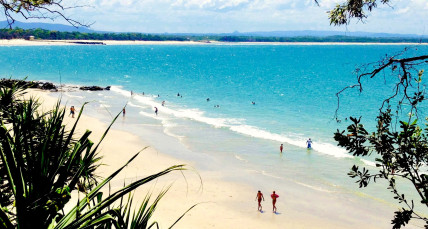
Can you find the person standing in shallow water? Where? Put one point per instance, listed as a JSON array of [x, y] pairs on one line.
[[156, 110], [259, 198], [309, 143], [281, 148], [123, 112], [274, 196]]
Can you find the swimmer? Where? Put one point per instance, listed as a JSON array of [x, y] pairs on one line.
[[309, 143], [163, 103], [259, 198], [208, 99]]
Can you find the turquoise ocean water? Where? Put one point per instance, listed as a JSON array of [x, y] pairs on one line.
[[293, 87]]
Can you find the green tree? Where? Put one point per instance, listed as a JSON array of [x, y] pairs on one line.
[[39, 9], [41, 163], [401, 151]]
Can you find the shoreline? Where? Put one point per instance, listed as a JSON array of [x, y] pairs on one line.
[[22, 42], [223, 202], [213, 194]]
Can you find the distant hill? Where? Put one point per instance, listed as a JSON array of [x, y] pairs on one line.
[[47, 26], [305, 33], [280, 34], [314, 33]]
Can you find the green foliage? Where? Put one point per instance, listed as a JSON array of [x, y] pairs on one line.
[[400, 153], [342, 13], [41, 164], [39, 9], [56, 35]]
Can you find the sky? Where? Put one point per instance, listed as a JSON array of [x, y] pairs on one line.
[[226, 16]]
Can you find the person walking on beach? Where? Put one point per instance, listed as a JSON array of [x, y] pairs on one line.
[[156, 110], [274, 196], [163, 103], [72, 111], [259, 198], [309, 143], [123, 112], [281, 148]]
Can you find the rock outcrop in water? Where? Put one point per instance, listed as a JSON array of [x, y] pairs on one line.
[[44, 85], [30, 84], [94, 88]]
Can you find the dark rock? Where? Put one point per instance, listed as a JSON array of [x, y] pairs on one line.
[[108, 88], [46, 86], [91, 88], [28, 84]]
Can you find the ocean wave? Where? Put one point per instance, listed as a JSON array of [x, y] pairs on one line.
[[74, 96], [118, 89], [264, 173], [367, 162], [235, 125], [312, 187], [240, 158]]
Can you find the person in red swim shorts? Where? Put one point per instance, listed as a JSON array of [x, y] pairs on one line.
[[274, 196], [259, 198]]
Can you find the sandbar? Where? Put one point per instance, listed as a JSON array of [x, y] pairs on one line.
[[23, 42]]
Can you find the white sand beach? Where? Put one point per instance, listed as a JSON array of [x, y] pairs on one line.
[[221, 203], [22, 42]]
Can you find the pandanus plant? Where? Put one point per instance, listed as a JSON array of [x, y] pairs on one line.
[[41, 163]]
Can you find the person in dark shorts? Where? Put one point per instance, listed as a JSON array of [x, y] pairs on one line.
[[281, 148], [309, 143], [72, 111]]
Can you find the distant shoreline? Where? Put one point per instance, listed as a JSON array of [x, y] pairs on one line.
[[22, 42]]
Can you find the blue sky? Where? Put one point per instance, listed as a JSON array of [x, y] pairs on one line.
[[218, 16]]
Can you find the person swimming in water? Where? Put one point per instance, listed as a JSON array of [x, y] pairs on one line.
[[309, 143]]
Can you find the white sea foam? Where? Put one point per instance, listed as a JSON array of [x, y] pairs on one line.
[[367, 162], [118, 89], [73, 96], [313, 187], [240, 158], [264, 173], [236, 125]]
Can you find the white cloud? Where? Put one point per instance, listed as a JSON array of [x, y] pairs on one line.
[[403, 16]]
